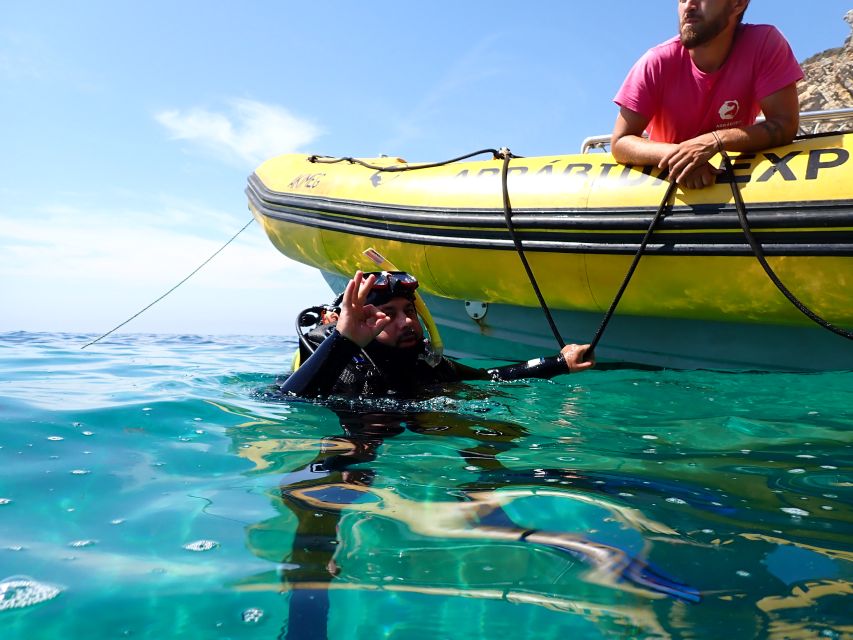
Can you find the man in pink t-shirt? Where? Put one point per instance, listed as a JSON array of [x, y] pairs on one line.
[[700, 92]]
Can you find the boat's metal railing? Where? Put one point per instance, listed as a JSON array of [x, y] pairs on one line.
[[833, 119], [810, 122], [596, 143]]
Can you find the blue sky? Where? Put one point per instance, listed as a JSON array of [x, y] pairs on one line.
[[127, 130]]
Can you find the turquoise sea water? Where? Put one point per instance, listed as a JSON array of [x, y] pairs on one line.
[[149, 488]]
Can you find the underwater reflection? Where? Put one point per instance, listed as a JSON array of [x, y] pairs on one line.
[[344, 526]]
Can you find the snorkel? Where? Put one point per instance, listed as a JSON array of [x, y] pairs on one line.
[[434, 347]]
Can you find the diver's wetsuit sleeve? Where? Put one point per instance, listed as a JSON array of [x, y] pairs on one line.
[[319, 373], [536, 368]]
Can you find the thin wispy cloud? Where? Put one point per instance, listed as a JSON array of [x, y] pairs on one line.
[[103, 245], [83, 267], [248, 133]]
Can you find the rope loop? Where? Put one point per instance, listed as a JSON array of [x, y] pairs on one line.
[[506, 155], [657, 217], [497, 154]]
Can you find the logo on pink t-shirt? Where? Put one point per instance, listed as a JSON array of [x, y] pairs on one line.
[[729, 110]]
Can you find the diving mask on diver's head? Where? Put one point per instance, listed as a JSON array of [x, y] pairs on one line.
[[389, 285]]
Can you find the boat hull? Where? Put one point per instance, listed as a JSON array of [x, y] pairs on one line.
[[697, 293], [509, 332]]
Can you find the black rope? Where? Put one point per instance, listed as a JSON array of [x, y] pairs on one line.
[[196, 270], [759, 255], [401, 167], [669, 191], [496, 154], [507, 156]]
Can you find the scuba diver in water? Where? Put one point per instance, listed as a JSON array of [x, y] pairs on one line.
[[371, 342], [376, 346]]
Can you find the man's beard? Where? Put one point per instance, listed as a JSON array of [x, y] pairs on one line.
[[697, 34], [403, 356], [408, 335]]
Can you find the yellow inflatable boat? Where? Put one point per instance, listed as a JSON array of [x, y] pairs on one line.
[[699, 297]]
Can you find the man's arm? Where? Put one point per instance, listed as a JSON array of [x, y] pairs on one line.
[[630, 147], [572, 358], [319, 373], [782, 119], [687, 161]]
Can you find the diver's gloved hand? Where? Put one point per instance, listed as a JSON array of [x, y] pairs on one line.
[[359, 321], [578, 357]]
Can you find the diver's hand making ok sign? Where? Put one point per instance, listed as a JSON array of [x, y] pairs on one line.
[[359, 321]]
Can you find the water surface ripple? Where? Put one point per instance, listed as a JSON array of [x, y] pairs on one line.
[[151, 487]]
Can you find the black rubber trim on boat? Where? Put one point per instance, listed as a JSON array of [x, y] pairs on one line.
[[831, 213], [722, 242]]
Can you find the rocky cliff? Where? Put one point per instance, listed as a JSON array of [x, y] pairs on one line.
[[828, 82]]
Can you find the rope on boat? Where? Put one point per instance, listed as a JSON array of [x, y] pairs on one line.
[[196, 270], [507, 156], [607, 316], [401, 167], [498, 154], [758, 250], [753, 243]]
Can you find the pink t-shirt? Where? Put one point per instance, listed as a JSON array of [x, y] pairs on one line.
[[683, 102]]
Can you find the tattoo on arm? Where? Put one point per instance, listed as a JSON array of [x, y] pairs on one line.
[[775, 134]]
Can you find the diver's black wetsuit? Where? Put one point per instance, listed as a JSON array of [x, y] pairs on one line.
[[340, 367]]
